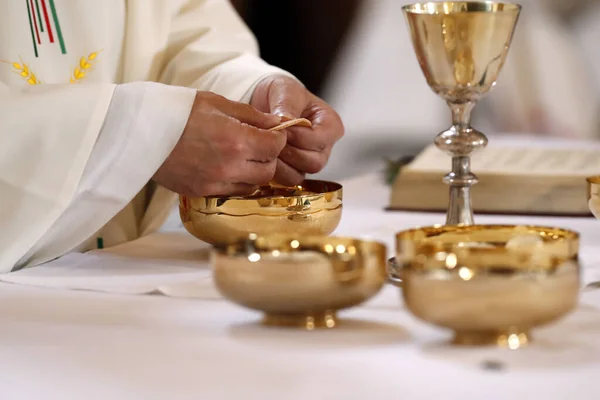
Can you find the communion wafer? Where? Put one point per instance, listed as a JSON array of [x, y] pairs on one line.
[[298, 121]]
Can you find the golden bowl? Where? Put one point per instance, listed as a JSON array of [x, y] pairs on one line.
[[490, 284], [594, 195], [313, 208], [299, 282]]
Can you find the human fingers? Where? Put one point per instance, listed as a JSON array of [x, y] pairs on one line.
[[263, 145], [235, 170], [286, 97], [227, 189], [253, 172], [245, 113], [287, 175], [305, 161], [327, 128]]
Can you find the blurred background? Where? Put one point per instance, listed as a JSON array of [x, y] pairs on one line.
[[357, 55]]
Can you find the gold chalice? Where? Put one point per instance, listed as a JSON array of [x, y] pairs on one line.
[[490, 284], [461, 47], [312, 208], [299, 281], [594, 195]]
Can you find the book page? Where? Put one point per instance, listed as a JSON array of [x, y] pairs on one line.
[[580, 162]]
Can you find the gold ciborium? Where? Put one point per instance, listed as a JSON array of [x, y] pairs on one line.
[[312, 208], [461, 47], [593, 197], [490, 284], [299, 281]]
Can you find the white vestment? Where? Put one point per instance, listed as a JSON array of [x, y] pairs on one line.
[[94, 95]]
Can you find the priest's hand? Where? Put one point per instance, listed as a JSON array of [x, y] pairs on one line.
[[307, 149], [225, 149]]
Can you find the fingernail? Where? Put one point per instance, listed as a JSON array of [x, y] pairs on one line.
[[284, 117]]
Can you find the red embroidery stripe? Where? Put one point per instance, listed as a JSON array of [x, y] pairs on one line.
[[47, 19], [37, 32]]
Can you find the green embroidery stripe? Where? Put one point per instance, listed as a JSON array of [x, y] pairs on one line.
[[37, 7], [63, 49], [31, 28]]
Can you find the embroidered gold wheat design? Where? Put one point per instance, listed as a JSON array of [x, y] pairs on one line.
[[84, 67], [24, 72], [85, 64]]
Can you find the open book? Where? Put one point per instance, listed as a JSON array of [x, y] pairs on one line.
[[512, 179]]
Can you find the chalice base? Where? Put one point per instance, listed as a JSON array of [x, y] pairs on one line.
[[323, 320], [510, 339]]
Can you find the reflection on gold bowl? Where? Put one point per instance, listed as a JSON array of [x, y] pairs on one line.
[[313, 208], [490, 284], [594, 195], [300, 281]]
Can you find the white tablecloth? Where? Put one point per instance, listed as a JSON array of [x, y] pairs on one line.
[[66, 344]]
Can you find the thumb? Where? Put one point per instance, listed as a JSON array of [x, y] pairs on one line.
[[287, 98], [251, 116]]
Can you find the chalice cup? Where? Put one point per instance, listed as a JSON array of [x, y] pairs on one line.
[[461, 47]]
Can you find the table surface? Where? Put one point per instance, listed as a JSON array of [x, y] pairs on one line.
[[60, 344]]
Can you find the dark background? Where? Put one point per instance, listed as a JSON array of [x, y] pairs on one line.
[[300, 36]]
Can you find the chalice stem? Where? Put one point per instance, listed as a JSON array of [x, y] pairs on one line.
[[460, 210], [461, 47], [460, 141]]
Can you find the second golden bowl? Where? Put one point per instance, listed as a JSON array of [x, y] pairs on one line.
[[490, 284], [300, 282], [313, 208]]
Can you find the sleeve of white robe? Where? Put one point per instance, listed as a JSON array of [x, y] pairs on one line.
[[139, 130], [44, 151], [210, 48]]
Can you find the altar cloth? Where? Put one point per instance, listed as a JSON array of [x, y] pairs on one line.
[[115, 338]]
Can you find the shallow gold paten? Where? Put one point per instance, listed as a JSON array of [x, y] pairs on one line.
[[594, 195], [461, 47], [490, 284], [300, 281], [312, 208]]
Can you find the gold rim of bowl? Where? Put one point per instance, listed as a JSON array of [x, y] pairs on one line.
[[414, 247], [328, 245], [321, 196], [312, 185], [452, 7], [435, 230]]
